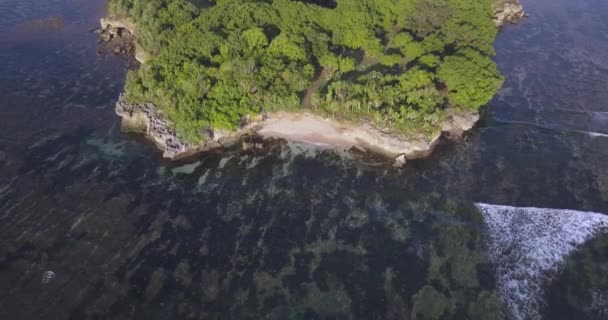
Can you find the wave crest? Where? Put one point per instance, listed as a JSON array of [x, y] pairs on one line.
[[527, 247]]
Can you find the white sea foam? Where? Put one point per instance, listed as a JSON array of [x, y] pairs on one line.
[[47, 277], [527, 247], [598, 134]]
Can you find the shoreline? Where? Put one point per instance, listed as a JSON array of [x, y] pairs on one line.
[[302, 126]]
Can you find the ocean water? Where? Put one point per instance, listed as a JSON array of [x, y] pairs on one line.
[[95, 225]]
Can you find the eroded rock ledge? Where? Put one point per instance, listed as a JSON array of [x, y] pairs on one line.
[[145, 118], [508, 11], [124, 31], [301, 127]]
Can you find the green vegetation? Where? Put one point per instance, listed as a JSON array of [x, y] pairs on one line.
[[396, 63]]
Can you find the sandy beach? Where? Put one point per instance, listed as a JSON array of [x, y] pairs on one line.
[[307, 128]]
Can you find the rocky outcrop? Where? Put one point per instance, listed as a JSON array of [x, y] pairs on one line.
[[117, 24], [121, 34], [298, 127], [146, 119], [117, 40], [459, 121], [508, 11]]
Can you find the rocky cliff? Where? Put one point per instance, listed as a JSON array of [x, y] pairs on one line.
[[508, 11], [145, 118], [301, 127]]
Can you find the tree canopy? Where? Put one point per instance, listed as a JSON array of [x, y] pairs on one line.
[[396, 63]]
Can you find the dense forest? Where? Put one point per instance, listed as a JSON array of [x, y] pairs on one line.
[[395, 63]]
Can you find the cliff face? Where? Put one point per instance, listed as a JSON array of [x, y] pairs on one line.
[[301, 127], [508, 11], [145, 119], [125, 30]]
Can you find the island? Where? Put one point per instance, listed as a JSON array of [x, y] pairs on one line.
[[383, 76]]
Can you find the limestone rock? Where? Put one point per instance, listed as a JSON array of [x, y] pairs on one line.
[[400, 161], [508, 11], [125, 32], [459, 121], [144, 118]]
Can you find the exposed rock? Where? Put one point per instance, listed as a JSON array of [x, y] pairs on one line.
[[105, 36], [141, 55], [116, 24], [508, 11], [121, 33], [324, 132], [329, 133], [459, 121], [146, 119], [299, 127], [400, 161]]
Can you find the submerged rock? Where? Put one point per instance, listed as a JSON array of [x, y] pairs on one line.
[[116, 24], [47, 277], [459, 121]]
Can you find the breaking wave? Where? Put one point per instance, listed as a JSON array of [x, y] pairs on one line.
[[527, 247]]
